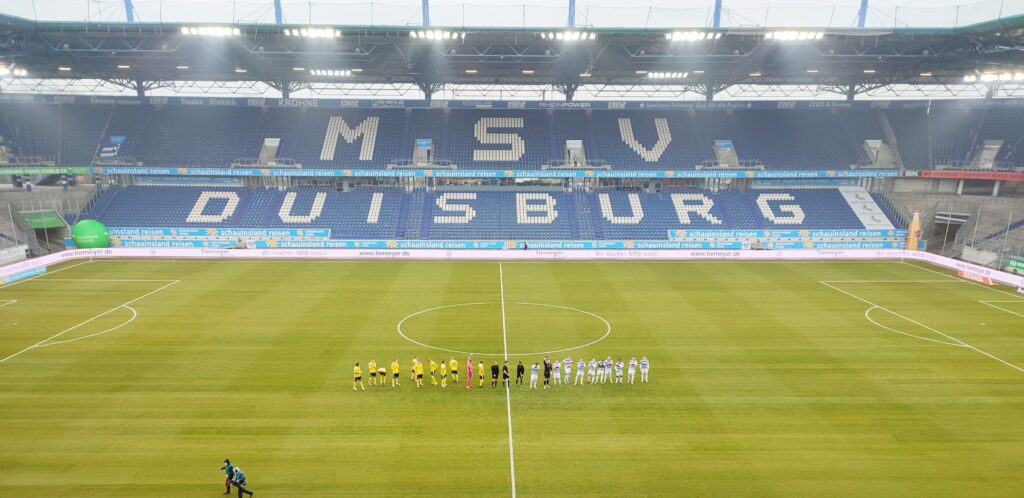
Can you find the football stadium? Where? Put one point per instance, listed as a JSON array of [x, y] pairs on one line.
[[720, 248]]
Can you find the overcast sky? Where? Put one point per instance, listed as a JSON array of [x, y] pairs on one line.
[[512, 13]]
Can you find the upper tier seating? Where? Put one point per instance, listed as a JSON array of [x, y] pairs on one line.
[[183, 135]]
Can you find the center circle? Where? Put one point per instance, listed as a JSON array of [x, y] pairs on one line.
[[507, 314]]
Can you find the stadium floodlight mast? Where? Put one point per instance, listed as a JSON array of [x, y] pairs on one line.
[[992, 77], [211, 31], [313, 32], [436, 34], [12, 72], [794, 35], [667, 76], [569, 36], [690, 36], [331, 73]]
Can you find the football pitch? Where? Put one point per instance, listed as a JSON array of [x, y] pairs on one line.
[[138, 377]]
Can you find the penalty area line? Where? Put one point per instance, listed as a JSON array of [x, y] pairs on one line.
[[12, 284], [46, 342], [989, 303], [508, 392], [947, 336]]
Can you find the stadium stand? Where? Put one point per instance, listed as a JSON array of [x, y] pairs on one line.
[[481, 214], [185, 135]]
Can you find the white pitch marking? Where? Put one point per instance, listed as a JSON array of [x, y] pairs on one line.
[[608, 328], [100, 280], [111, 310], [895, 281], [861, 299], [130, 320], [958, 279], [5, 302], [867, 314], [12, 284], [989, 303], [508, 393]]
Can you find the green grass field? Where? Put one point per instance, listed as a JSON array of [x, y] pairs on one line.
[[764, 381]]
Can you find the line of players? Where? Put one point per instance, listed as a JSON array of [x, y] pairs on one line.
[[593, 372]]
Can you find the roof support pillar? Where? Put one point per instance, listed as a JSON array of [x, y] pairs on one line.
[[717, 17], [278, 15], [862, 14], [129, 11], [572, 14], [426, 13]]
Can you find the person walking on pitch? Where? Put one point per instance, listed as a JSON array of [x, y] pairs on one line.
[[533, 375], [547, 373], [505, 378], [480, 373], [229, 471], [357, 378], [618, 371], [433, 371], [469, 372], [494, 375], [520, 372], [240, 483], [419, 373], [645, 366], [632, 369], [557, 373], [372, 367], [592, 371], [444, 375], [581, 367], [567, 370]]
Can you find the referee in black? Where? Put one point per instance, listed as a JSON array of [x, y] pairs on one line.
[[504, 374], [547, 373], [520, 372]]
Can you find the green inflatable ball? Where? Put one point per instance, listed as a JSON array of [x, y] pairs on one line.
[[90, 234]]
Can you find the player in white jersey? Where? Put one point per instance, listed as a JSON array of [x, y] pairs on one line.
[[609, 365], [567, 370], [556, 375], [592, 372], [600, 371], [632, 369], [581, 370], [618, 371], [533, 375], [645, 365]]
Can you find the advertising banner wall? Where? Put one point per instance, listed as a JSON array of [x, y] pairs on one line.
[[10, 271]]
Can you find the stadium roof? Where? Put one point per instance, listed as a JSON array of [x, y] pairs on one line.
[[143, 56]]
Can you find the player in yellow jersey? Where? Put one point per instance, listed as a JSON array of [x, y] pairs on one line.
[[444, 375], [357, 374], [372, 367], [454, 367], [433, 371], [395, 372], [480, 373], [412, 369], [419, 373]]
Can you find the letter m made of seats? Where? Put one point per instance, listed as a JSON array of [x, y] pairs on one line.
[[338, 127]]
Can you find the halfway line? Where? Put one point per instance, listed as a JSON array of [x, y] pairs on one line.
[[508, 392]]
